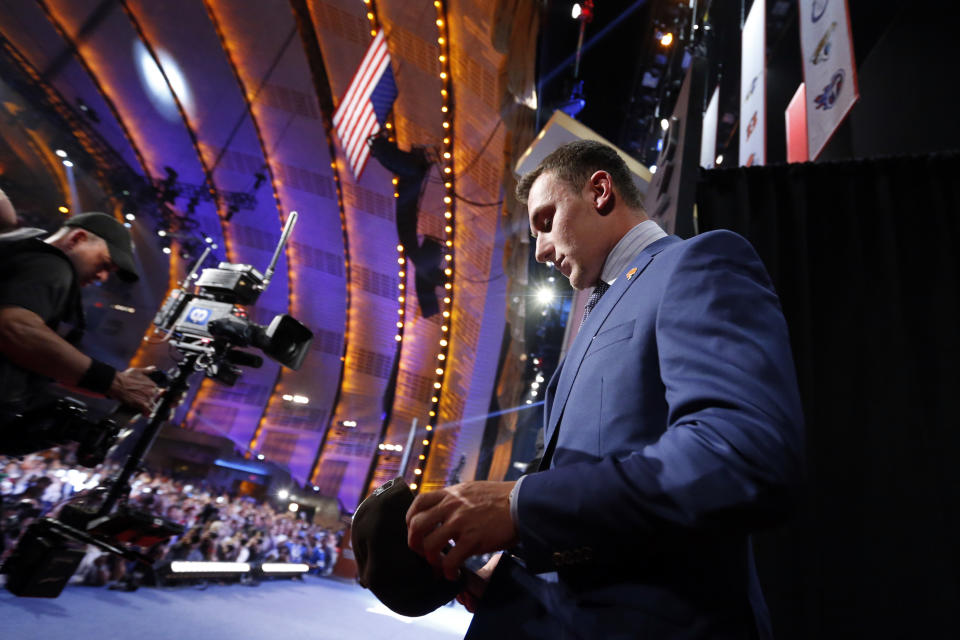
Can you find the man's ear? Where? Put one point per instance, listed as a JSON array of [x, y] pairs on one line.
[[601, 190], [76, 236]]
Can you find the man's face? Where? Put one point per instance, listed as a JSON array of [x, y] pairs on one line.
[[90, 257], [568, 229]]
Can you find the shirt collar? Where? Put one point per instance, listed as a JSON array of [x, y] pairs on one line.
[[631, 244]]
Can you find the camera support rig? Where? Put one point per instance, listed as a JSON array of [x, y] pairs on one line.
[[206, 326]]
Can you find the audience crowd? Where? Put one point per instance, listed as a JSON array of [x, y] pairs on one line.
[[217, 525]]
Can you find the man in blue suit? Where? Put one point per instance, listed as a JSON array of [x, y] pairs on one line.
[[673, 429]]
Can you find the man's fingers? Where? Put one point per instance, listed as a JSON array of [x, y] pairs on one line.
[[423, 502], [422, 525], [423, 516], [454, 558], [435, 543]]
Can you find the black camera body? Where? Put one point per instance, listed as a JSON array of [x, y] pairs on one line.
[[212, 316]]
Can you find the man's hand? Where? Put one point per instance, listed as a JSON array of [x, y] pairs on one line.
[[134, 389], [475, 516]]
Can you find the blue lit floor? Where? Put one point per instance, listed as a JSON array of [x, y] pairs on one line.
[[318, 608]]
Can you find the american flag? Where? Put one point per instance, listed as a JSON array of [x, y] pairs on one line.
[[365, 106]]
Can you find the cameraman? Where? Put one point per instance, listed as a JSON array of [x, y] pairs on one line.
[[40, 281]]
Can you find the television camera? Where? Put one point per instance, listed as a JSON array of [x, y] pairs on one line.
[[206, 322]]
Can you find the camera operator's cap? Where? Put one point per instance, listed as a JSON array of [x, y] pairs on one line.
[[115, 235], [399, 577]]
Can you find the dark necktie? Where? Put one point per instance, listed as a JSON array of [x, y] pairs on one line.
[[594, 298]]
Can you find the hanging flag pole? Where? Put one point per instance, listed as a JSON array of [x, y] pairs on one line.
[[364, 107]]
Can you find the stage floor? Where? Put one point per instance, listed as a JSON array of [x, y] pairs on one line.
[[317, 608]]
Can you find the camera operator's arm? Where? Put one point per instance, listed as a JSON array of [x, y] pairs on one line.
[[30, 344]]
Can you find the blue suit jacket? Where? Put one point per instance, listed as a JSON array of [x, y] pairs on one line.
[[678, 430]]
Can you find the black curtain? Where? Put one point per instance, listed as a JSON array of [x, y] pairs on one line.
[[864, 255]]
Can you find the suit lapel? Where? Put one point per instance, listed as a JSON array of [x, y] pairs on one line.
[[571, 364]]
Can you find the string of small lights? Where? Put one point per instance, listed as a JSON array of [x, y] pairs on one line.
[[191, 131], [248, 98], [446, 93]]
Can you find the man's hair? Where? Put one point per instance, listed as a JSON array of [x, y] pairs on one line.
[[574, 163]]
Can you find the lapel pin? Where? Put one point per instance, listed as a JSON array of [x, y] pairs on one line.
[[631, 272]]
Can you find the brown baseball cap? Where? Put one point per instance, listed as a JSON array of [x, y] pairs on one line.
[[115, 235], [399, 577]]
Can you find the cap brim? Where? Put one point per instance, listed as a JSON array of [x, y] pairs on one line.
[[126, 270]]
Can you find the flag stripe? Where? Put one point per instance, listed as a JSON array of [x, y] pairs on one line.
[[357, 125], [355, 140], [357, 148], [365, 154]]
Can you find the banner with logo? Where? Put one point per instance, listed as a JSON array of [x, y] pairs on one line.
[[828, 68], [753, 90], [708, 138]]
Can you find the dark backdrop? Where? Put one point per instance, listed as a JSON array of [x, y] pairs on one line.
[[864, 257]]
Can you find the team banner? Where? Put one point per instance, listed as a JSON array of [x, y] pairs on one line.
[[708, 139], [828, 68], [753, 90]]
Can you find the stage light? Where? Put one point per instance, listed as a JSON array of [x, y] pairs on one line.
[[576, 11], [664, 124], [130, 217], [720, 159], [545, 295], [653, 168], [284, 568], [67, 163], [157, 90], [667, 39], [61, 153], [282, 494], [182, 566]]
